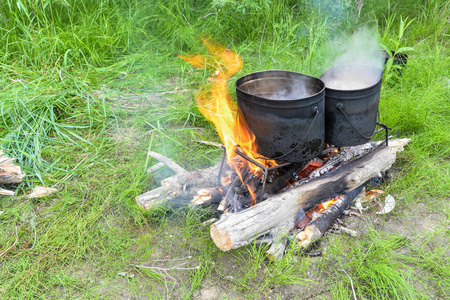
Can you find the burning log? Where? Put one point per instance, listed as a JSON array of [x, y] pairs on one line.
[[317, 227], [212, 195], [238, 229]]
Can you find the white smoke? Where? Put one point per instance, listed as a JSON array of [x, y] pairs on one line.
[[359, 61], [360, 48]]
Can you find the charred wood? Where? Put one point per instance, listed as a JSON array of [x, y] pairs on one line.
[[239, 229], [318, 226], [212, 195]]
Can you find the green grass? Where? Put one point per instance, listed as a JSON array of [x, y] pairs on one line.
[[83, 98]]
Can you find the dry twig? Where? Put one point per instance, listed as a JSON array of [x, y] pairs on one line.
[[351, 282], [217, 145], [168, 162], [155, 168]]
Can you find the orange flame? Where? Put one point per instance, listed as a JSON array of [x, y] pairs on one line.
[[216, 104], [325, 205]]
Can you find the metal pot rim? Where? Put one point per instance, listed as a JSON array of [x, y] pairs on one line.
[[240, 80]]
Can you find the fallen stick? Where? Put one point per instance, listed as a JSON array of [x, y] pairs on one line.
[[239, 229], [155, 168], [214, 144], [168, 162]]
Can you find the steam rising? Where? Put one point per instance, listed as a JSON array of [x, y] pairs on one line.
[[359, 63]]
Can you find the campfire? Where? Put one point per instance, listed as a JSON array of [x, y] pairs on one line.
[[274, 186]]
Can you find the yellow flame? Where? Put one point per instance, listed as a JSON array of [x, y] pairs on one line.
[[216, 104]]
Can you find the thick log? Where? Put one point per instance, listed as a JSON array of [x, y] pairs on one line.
[[317, 227], [238, 229]]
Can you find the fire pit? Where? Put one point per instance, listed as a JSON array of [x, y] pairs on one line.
[[257, 198]]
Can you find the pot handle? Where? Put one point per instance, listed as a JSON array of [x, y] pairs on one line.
[[315, 110], [340, 106]]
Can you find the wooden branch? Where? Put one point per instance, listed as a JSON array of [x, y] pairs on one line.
[[204, 178], [168, 162], [238, 229], [179, 189], [171, 197], [9, 172], [214, 144], [155, 168]]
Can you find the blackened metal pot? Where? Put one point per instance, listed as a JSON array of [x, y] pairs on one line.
[[286, 111], [352, 94]]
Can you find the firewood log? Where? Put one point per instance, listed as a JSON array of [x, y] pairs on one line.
[[178, 190], [317, 227]]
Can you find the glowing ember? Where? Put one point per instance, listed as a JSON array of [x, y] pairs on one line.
[[325, 205], [216, 104], [309, 216]]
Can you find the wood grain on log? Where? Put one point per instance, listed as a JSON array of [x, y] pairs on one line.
[[238, 229]]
